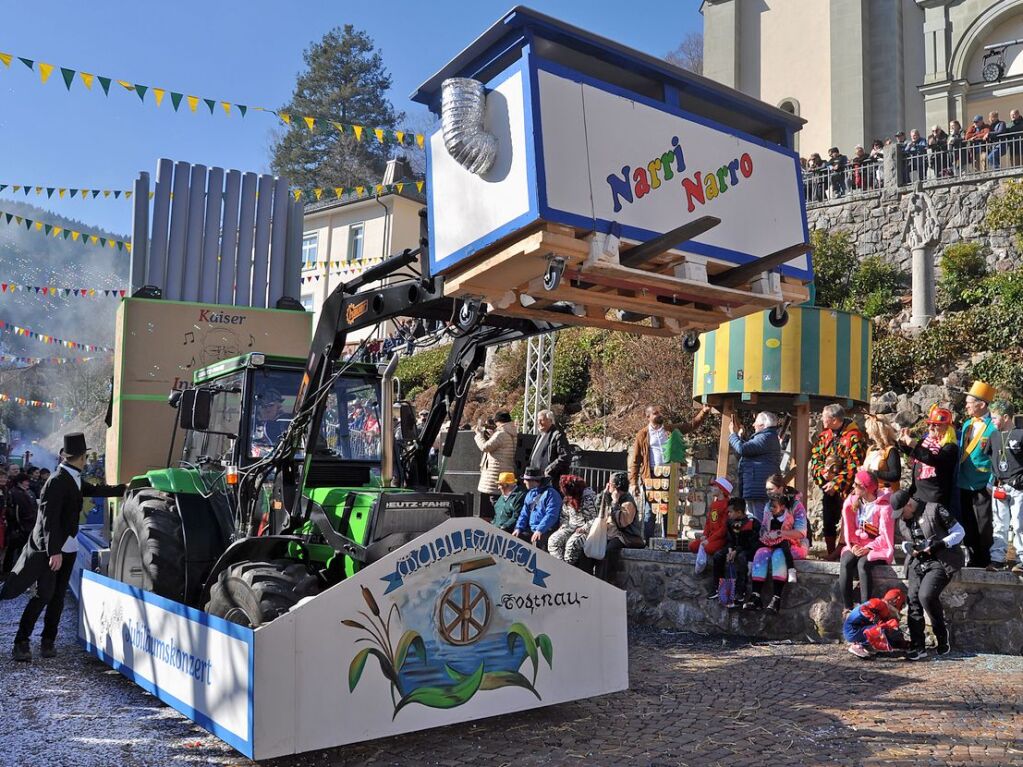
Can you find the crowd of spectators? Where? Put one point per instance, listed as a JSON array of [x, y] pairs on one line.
[[987, 144]]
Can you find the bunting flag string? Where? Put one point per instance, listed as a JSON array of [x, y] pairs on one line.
[[312, 123], [27, 402], [314, 194], [48, 339], [53, 290], [69, 193], [11, 358], [74, 235]]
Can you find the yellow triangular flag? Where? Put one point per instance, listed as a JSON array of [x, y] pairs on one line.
[[60, 193], [158, 94], [338, 191], [359, 190], [94, 239], [399, 187], [285, 117], [193, 102], [318, 192], [75, 235], [380, 188], [45, 70], [127, 246], [298, 194], [6, 59], [126, 85], [106, 192], [339, 126], [227, 107], [419, 140], [85, 193], [310, 122], [39, 226], [379, 134], [56, 231], [358, 132], [400, 135], [39, 190], [19, 219], [419, 187], [127, 195], [111, 243], [87, 79], [16, 187], [151, 194]]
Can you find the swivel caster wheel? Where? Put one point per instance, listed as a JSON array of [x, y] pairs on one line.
[[691, 343], [467, 315], [555, 270], [779, 316]]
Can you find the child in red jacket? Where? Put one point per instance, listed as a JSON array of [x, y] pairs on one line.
[[715, 530]]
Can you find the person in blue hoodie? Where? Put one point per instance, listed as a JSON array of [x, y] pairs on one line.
[[541, 512]]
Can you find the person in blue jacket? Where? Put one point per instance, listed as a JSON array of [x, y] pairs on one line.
[[541, 512], [759, 458]]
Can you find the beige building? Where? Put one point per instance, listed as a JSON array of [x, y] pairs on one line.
[[856, 70], [344, 237]]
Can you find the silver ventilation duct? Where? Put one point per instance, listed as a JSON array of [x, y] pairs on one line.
[[463, 105]]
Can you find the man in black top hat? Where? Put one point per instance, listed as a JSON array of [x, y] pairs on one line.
[[49, 556]]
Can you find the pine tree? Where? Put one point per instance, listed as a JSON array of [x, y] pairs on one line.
[[344, 81]]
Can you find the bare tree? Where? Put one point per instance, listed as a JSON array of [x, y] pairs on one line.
[[689, 53]]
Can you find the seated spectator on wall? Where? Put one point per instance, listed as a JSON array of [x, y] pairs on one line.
[[742, 539], [816, 172], [937, 146], [836, 165], [916, 154], [975, 138], [578, 511], [624, 525], [775, 486], [869, 532], [994, 139], [775, 558]]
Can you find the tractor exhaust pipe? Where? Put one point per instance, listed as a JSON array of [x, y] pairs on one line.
[[387, 422], [463, 105]]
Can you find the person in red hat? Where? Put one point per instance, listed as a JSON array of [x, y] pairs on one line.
[[873, 626], [49, 556], [713, 537], [934, 458]]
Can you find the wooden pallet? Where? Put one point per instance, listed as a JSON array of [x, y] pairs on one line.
[[509, 278]]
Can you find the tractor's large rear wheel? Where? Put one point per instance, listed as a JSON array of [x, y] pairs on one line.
[[255, 593], [147, 546]]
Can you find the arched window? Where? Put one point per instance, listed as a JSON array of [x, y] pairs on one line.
[[791, 106]]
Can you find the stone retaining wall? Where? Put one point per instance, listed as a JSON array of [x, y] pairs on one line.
[[984, 610], [876, 221]]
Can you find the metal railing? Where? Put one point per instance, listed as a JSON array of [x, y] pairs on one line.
[[955, 158]]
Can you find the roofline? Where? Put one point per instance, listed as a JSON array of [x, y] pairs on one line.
[[521, 16], [326, 205]]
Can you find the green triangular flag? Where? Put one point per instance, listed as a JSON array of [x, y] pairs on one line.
[[120, 245], [176, 100], [73, 192], [242, 108], [103, 241], [47, 228], [95, 192], [105, 82], [117, 193], [27, 62], [141, 90], [49, 191], [28, 223], [210, 103], [69, 76], [2, 187], [675, 449], [9, 216], [66, 233], [27, 190]]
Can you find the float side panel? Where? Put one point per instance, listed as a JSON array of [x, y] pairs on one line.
[[194, 662]]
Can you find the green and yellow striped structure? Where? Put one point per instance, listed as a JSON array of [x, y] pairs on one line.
[[819, 353]]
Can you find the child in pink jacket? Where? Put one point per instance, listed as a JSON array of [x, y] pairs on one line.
[[869, 534]]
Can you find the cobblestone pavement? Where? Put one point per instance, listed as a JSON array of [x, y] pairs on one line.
[[693, 701]]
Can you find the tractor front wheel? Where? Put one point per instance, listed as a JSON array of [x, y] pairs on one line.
[[147, 546], [254, 593]]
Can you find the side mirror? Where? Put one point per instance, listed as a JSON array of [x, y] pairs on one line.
[[194, 409], [406, 421]]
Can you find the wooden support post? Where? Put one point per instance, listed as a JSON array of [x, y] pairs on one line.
[[727, 408], [801, 447]]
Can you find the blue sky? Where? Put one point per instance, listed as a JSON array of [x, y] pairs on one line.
[[244, 52]]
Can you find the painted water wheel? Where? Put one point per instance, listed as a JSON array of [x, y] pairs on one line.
[[465, 611]]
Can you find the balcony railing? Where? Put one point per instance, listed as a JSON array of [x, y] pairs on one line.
[[955, 159]]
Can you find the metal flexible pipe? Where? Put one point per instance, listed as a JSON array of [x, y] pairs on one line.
[[463, 105]]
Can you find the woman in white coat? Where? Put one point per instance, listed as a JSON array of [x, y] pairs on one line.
[[498, 450]]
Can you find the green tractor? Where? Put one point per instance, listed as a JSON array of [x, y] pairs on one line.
[[294, 473]]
